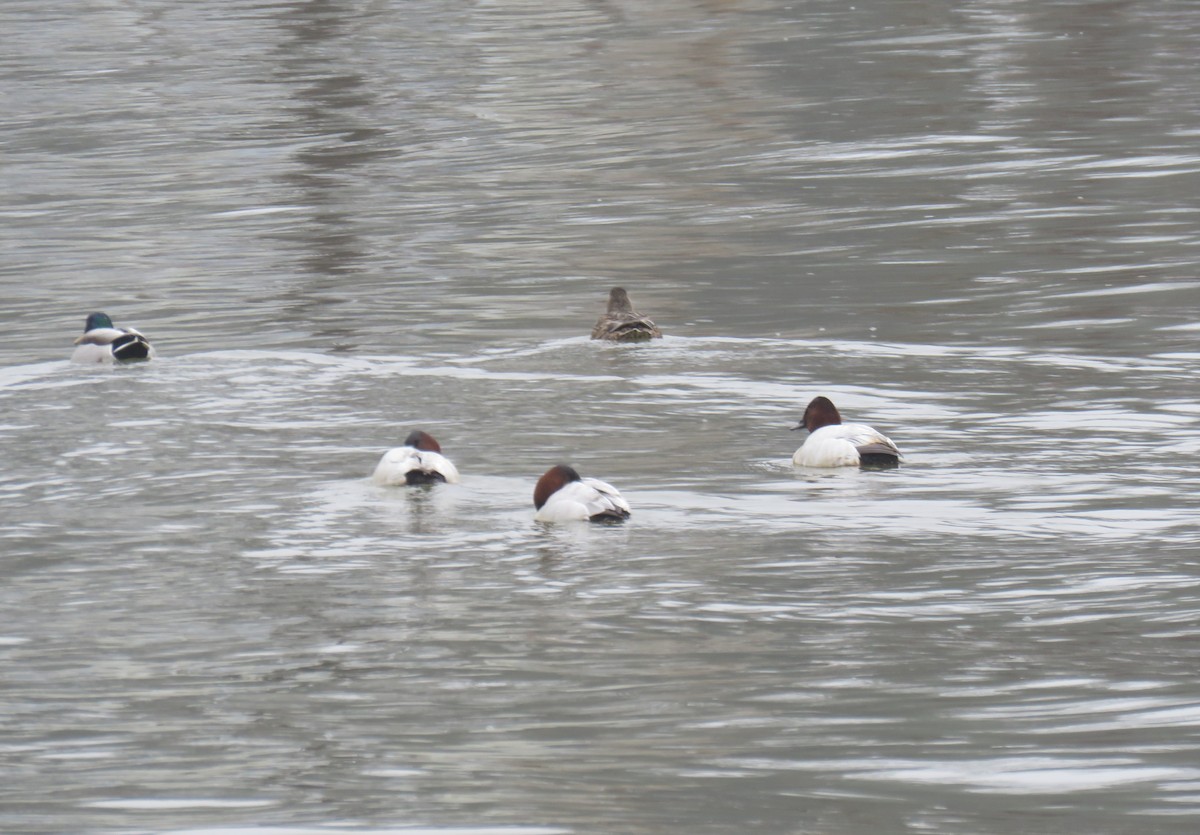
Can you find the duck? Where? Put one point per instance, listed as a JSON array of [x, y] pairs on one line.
[[621, 323], [832, 443], [419, 461], [561, 495], [103, 342]]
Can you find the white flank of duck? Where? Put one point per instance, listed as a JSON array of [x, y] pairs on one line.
[[832, 443], [562, 496], [419, 461]]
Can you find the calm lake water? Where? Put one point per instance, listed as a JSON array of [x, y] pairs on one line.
[[975, 226]]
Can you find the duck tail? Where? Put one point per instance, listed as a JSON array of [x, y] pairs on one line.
[[413, 477], [640, 330], [131, 346], [878, 456], [614, 514]]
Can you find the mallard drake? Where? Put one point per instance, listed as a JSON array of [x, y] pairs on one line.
[[832, 443], [102, 342], [621, 323]]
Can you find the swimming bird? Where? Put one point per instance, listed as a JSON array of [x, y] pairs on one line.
[[419, 461], [102, 342], [832, 443], [562, 496], [621, 323]]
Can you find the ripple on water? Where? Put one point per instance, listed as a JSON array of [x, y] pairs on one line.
[[824, 617]]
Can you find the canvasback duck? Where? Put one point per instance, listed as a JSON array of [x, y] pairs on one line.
[[621, 323], [832, 443], [102, 342], [562, 496], [419, 461]]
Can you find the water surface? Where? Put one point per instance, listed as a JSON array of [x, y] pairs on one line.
[[974, 227]]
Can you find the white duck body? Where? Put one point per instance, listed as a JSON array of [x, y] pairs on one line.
[[102, 342], [842, 445], [420, 461], [831, 443], [562, 496], [582, 500]]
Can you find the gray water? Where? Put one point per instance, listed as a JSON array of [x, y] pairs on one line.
[[975, 226]]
